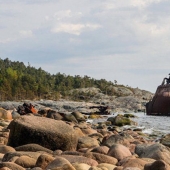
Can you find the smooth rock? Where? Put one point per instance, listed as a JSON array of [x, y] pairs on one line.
[[43, 160], [49, 133], [119, 151]]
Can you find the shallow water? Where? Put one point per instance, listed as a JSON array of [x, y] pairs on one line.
[[158, 125], [154, 125]]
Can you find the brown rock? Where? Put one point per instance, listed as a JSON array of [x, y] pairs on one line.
[[87, 142], [54, 115], [65, 167], [36, 168], [58, 162], [49, 133], [81, 166], [122, 138], [57, 152], [43, 160], [79, 116], [106, 165], [26, 161], [155, 151], [10, 155], [80, 159], [157, 165], [5, 149], [101, 149], [33, 147], [119, 151], [118, 168], [78, 132], [131, 168], [138, 163], [88, 130], [101, 158], [5, 114], [11, 165]]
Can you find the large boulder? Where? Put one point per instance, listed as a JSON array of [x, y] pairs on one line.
[[49, 133], [155, 151]]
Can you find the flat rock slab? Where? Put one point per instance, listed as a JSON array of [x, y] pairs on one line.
[[49, 133]]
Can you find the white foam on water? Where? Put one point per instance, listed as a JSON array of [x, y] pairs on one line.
[[148, 131], [89, 120]]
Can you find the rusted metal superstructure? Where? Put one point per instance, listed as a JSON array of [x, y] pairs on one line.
[[160, 103]]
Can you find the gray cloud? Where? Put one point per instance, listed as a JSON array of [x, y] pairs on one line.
[[123, 40]]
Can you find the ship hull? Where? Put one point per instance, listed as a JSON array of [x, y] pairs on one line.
[[160, 104]]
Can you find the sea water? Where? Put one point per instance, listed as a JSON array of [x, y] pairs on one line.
[[152, 125], [158, 125]]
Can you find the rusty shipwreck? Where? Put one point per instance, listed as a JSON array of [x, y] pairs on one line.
[[160, 103]]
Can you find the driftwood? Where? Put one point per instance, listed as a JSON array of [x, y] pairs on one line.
[[26, 108]]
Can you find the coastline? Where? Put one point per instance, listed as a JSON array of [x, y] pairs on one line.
[[98, 145]]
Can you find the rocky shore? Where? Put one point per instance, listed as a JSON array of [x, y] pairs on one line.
[[59, 137]]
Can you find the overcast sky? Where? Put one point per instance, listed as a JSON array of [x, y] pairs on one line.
[[123, 40]]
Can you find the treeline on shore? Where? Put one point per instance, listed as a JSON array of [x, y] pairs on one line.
[[18, 81]]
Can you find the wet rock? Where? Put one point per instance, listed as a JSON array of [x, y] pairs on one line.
[[120, 120], [69, 117], [79, 116]]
